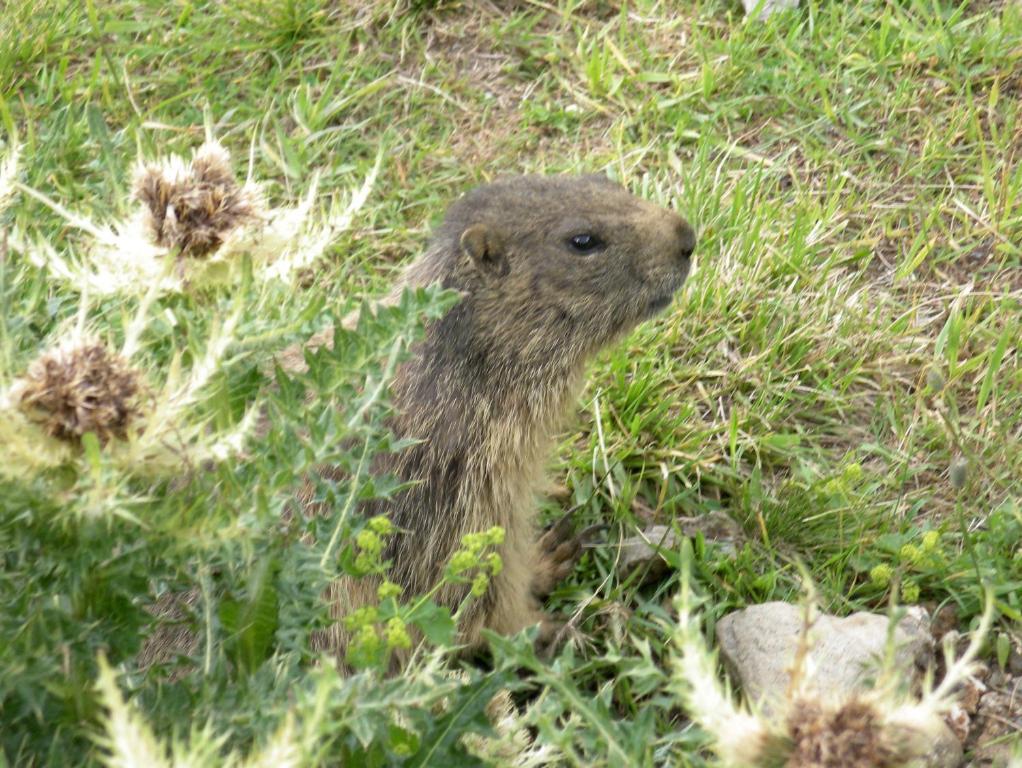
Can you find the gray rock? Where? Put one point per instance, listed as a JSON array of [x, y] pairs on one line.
[[768, 7], [641, 551], [759, 644]]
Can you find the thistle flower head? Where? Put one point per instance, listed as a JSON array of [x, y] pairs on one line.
[[850, 735], [192, 209], [81, 388]]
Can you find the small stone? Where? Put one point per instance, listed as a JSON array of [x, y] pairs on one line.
[[766, 8], [641, 551]]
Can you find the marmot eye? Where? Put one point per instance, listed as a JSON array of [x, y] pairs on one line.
[[585, 243]]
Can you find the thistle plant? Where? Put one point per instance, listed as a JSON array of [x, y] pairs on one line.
[[151, 453], [192, 228]]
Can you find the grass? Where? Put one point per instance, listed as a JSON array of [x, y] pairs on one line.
[[850, 331]]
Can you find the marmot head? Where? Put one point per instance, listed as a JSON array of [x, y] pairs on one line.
[[555, 267]]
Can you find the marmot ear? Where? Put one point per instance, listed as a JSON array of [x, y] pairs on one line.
[[486, 250]]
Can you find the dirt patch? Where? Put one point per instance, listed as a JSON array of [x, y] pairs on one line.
[[502, 73]]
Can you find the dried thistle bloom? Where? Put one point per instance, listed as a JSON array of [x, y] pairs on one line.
[[80, 386], [851, 735], [193, 209], [78, 389]]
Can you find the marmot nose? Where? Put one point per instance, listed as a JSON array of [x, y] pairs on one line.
[[686, 237]]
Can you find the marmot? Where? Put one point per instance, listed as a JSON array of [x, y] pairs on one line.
[[551, 270]]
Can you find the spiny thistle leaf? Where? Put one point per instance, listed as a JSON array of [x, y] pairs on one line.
[[127, 740]]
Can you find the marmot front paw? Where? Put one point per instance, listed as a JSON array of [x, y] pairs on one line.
[[558, 551]]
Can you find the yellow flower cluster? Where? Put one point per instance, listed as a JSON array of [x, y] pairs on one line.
[[473, 557]]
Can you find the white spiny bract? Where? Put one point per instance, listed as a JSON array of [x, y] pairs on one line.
[[127, 740], [885, 727], [739, 736], [192, 228], [8, 174]]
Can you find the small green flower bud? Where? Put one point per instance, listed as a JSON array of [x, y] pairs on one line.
[[462, 561], [480, 584], [853, 472], [833, 487], [365, 647], [930, 540], [880, 575], [361, 617], [495, 536], [380, 525], [388, 589], [909, 553], [368, 541], [495, 563], [934, 380], [910, 592], [397, 634]]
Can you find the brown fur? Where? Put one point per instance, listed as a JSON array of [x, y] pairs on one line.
[[494, 379]]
